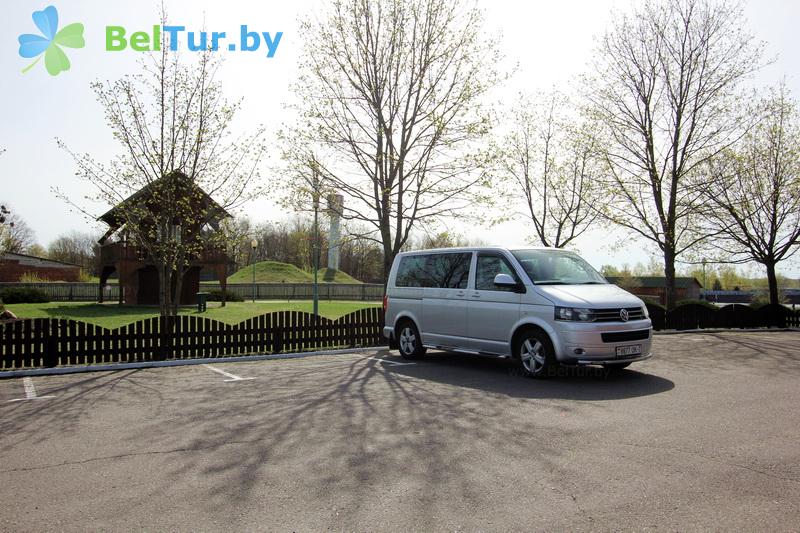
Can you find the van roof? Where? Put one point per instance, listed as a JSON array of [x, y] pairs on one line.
[[480, 249]]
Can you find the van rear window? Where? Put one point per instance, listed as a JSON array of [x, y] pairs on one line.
[[412, 273], [445, 271]]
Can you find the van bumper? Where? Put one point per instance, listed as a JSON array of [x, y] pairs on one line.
[[603, 361], [388, 332], [587, 344]]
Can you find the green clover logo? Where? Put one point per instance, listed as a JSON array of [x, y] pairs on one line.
[[50, 42]]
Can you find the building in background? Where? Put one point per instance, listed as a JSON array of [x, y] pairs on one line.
[[792, 296], [729, 297], [654, 287], [14, 266]]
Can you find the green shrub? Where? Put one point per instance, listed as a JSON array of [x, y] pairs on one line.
[[215, 295], [23, 295]]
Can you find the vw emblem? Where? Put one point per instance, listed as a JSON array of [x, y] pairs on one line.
[[623, 314]]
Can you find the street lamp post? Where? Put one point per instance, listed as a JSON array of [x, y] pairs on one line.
[[315, 249], [253, 245]]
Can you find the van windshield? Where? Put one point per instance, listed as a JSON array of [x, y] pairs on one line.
[[557, 267]]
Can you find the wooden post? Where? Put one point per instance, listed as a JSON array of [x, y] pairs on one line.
[[50, 344]]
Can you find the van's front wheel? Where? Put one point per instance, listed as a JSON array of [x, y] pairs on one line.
[[409, 341], [535, 355]]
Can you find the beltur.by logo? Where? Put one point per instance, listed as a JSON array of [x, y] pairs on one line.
[[195, 41], [50, 41]]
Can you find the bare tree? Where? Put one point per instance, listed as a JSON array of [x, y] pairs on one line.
[[753, 191], [6, 224], [667, 79], [550, 161], [361, 258], [15, 235], [240, 234], [173, 123], [391, 112], [78, 248]]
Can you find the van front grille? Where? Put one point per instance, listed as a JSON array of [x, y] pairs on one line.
[[615, 314], [623, 336]]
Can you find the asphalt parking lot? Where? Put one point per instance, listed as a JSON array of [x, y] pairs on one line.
[[705, 436]]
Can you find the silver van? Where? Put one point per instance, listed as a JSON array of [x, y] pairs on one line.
[[541, 306]]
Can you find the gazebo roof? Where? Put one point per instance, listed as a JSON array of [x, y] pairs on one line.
[[115, 218]]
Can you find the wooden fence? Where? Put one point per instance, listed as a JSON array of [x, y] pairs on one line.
[[737, 316], [70, 292], [89, 292], [48, 342]]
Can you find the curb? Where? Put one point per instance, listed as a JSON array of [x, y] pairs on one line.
[[5, 374]]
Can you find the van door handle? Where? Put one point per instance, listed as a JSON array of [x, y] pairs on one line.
[[476, 295], [460, 293]]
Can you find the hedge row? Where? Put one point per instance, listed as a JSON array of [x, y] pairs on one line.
[[23, 295], [704, 315]]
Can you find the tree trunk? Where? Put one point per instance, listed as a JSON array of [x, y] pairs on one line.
[[773, 283], [388, 259], [670, 295], [162, 300], [166, 307], [176, 298]]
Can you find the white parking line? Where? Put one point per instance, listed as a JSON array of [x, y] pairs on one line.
[[30, 392], [231, 377]]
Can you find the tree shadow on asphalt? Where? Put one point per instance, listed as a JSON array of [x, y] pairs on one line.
[[768, 353], [501, 376], [347, 437], [353, 435], [74, 396]]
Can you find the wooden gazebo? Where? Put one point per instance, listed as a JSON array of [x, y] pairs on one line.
[[137, 275]]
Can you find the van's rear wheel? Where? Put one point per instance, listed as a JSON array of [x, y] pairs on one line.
[[409, 340], [535, 355]]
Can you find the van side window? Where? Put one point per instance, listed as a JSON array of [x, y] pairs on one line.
[[449, 271], [490, 266], [412, 272]]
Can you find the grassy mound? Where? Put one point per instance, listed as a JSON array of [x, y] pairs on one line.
[[277, 272], [328, 275]]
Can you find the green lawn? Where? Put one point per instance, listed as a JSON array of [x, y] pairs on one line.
[[276, 272], [112, 315]]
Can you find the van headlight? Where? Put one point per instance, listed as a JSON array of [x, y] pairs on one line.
[[644, 311], [575, 314]]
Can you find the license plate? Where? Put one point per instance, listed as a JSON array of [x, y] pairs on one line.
[[625, 351]]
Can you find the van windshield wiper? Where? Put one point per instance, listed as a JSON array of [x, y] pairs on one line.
[[591, 283], [553, 282]]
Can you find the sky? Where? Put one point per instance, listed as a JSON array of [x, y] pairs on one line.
[[548, 42]]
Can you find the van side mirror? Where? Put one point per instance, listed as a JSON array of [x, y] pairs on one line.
[[504, 280]]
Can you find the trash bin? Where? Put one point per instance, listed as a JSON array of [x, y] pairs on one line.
[[202, 301]]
